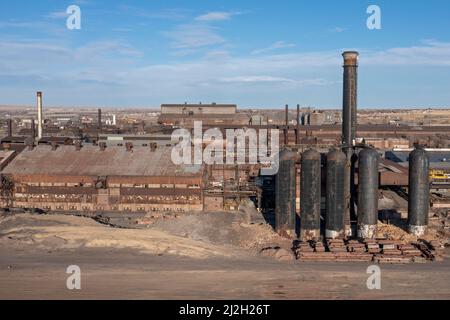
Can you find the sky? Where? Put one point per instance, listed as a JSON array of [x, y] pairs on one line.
[[260, 54]]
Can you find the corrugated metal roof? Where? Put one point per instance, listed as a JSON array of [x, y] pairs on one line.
[[65, 160]]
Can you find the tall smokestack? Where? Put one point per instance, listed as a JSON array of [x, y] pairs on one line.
[[9, 127], [99, 119], [350, 95], [39, 107], [349, 113]]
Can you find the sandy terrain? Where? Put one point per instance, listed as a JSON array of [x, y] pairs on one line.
[[216, 259]]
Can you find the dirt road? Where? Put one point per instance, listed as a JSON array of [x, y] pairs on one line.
[[127, 275]]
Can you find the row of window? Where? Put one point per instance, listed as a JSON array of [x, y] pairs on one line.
[[110, 185], [100, 208]]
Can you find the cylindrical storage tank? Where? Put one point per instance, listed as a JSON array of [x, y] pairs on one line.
[[285, 193], [368, 193], [419, 192], [310, 184], [334, 223]]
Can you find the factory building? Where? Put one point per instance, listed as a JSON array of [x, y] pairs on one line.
[[210, 114], [198, 109], [100, 178]]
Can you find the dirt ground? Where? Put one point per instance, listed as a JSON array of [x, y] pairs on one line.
[[199, 256]]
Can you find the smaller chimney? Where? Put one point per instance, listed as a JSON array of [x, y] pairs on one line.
[[286, 113], [129, 146], [54, 146], [29, 142], [99, 119], [9, 127], [286, 130], [33, 129], [102, 146], [297, 131], [39, 110]]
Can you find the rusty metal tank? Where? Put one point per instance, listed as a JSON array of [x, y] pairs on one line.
[[310, 187], [368, 193], [285, 193], [336, 162], [419, 192]]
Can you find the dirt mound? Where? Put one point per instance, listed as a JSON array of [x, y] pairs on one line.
[[59, 232], [393, 232], [223, 228]]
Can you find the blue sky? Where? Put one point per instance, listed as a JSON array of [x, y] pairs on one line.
[[253, 53]]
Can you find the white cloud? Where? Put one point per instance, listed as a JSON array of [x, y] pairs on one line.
[[191, 36], [274, 46], [255, 79], [57, 15], [119, 29], [271, 79], [430, 53], [17, 24], [165, 14], [338, 29], [216, 16]]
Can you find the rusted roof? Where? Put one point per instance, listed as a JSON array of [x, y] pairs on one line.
[[5, 156], [90, 161]]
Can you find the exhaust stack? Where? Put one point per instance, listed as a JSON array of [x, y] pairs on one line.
[[33, 130], [349, 117], [39, 110], [297, 131], [99, 118], [350, 98], [9, 127], [286, 131]]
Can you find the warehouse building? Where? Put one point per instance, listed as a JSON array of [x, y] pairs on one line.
[[210, 114], [101, 178]]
